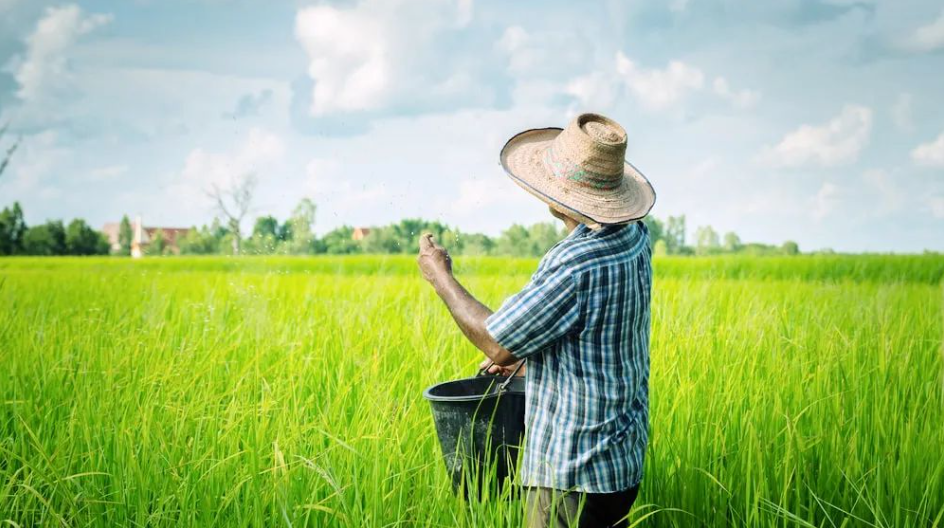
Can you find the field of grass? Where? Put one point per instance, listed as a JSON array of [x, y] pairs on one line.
[[804, 391]]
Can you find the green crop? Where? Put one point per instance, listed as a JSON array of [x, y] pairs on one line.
[[802, 391]]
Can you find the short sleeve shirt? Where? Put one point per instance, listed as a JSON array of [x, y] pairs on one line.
[[582, 323]]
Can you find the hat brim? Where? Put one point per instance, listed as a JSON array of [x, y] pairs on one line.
[[522, 157]]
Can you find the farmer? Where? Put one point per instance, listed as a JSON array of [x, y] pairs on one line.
[[582, 324]]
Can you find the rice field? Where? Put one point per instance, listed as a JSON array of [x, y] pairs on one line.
[[803, 391]]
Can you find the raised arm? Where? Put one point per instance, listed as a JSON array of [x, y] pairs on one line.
[[469, 313]]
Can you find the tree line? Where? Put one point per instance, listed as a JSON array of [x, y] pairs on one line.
[[295, 236], [48, 239], [668, 238]]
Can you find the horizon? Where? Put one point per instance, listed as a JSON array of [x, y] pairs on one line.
[[816, 121]]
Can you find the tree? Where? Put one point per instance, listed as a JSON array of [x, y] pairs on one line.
[[8, 153], [732, 242], [218, 230], [656, 229], [706, 241], [382, 240], [514, 242], [301, 225], [158, 243], [790, 248], [125, 236], [675, 234], [284, 232], [46, 239], [453, 239], [12, 229], [234, 204], [408, 231], [660, 249], [340, 242], [264, 239], [266, 226], [758, 249], [542, 237], [80, 239], [477, 244], [201, 241]]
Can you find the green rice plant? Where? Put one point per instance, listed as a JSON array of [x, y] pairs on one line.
[[802, 391]]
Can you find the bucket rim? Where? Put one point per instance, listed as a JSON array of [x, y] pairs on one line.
[[427, 394]]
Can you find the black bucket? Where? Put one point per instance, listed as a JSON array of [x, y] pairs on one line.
[[480, 424]]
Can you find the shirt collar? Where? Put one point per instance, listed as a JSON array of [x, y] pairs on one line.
[[582, 231], [579, 232]]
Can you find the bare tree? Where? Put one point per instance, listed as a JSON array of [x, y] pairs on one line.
[[234, 204], [5, 161]]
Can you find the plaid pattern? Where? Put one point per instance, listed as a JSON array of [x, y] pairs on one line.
[[583, 325]]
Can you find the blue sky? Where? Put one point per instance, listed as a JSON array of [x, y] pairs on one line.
[[817, 121]]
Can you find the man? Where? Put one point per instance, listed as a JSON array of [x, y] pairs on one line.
[[582, 323]]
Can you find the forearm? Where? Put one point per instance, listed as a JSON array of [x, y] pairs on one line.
[[470, 316]]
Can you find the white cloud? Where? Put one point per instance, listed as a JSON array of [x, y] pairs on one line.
[[739, 98], [902, 112], [657, 88], [33, 166], [326, 182], [544, 55], [705, 167], [595, 89], [481, 193], [678, 6], [837, 142], [929, 37], [106, 173], [930, 154], [873, 195], [936, 205], [889, 196], [203, 168], [259, 154], [45, 65], [365, 58], [324, 176], [825, 200], [348, 58], [526, 54], [512, 39], [464, 12]]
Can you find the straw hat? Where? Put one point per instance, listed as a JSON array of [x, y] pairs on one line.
[[580, 171]]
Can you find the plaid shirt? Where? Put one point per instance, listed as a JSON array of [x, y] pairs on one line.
[[583, 324]]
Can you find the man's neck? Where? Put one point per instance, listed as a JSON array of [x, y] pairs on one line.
[[570, 224]]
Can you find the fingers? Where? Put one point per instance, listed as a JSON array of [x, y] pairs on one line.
[[492, 368], [426, 241]]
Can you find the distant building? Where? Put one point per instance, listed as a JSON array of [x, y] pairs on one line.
[[142, 236], [360, 233], [111, 230]]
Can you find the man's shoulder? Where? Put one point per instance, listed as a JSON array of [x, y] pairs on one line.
[[582, 253]]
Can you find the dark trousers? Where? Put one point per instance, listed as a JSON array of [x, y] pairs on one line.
[[550, 508]]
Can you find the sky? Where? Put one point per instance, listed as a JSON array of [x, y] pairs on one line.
[[819, 121]]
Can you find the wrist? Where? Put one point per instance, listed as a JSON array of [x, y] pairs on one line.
[[442, 282]]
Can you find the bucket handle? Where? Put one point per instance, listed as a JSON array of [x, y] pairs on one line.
[[505, 383]]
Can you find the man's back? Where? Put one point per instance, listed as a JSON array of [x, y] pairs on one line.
[[583, 324]]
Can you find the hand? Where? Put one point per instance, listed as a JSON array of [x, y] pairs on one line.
[[504, 371], [434, 260]]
